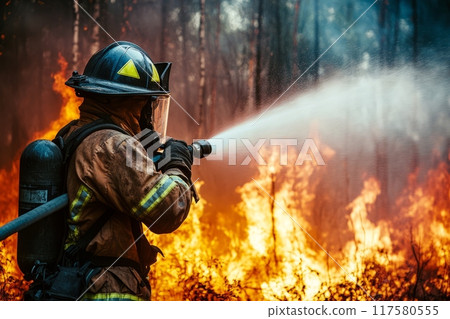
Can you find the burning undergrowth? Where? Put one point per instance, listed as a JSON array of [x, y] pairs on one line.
[[276, 257]]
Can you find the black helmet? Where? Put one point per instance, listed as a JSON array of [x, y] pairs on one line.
[[122, 69]]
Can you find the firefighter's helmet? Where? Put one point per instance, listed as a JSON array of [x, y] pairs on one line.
[[122, 69]]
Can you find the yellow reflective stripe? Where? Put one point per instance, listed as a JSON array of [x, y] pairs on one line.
[[179, 180], [137, 210], [160, 198], [152, 191], [155, 196], [111, 296], [77, 205], [76, 208]]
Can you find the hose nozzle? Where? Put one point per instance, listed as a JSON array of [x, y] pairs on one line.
[[200, 148]]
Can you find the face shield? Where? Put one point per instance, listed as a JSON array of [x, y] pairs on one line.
[[160, 115]]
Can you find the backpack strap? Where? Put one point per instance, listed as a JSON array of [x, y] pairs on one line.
[[77, 252], [68, 147]]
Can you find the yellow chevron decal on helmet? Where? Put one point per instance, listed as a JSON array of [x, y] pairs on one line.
[[129, 69], [155, 75]]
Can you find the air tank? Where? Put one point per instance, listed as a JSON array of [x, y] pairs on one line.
[[41, 179]]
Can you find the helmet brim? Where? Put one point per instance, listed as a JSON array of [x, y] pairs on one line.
[[99, 86]]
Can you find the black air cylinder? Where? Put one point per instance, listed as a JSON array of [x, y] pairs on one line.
[[41, 179]]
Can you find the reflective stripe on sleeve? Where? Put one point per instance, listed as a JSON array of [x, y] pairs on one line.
[[157, 195], [179, 180], [76, 208], [112, 296], [77, 205]]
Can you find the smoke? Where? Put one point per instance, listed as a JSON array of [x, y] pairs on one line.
[[386, 125], [32, 34]]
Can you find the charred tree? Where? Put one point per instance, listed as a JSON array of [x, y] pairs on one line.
[[394, 49], [276, 57], [184, 50], [95, 46], [164, 36], [316, 42], [125, 18], [76, 36], [279, 59], [258, 71], [252, 60], [415, 36], [202, 64], [295, 35], [272, 213], [212, 109], [382, 25]]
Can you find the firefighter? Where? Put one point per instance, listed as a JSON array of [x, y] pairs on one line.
[[109, 172]]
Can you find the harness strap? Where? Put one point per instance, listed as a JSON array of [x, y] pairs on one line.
[[68, 147], [146, 252], [107, 261]]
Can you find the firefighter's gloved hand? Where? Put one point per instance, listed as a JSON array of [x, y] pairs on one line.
[[176, 155]]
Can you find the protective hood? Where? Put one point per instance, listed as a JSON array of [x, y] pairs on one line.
[[125, 112]]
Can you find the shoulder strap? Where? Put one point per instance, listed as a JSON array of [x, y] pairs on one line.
[[72, 142], [70, 145], [68, 148]]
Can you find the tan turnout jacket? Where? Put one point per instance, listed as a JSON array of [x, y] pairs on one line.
[[111, 171]]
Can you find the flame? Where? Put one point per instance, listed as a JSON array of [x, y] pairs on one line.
[[12, 283], [272, 253], [70, 102]]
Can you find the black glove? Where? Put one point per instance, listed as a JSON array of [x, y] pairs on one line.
[[176, 154]]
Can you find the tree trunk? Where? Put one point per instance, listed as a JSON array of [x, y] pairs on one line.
[[396, 32], [252, 61], [95, 46], [280, 58], [202, 64], [76, 36], [184, 21], [415, 38], [125, 23], [316, 41], [294, 35], [259, 30], [163, 43], [382, 24], [272, 213], [212, 114]]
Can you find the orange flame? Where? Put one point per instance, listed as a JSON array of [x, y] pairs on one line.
[[12, 284], [271, 255], [70, 102]]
